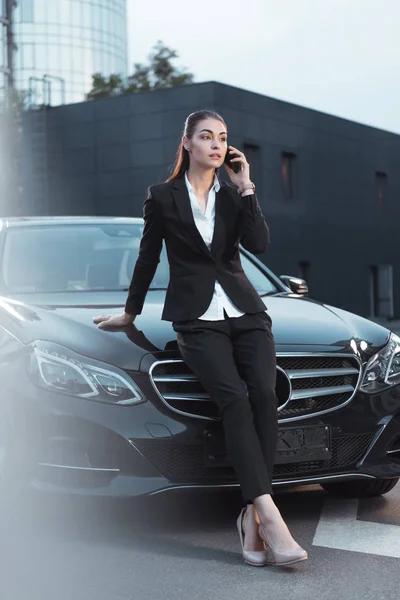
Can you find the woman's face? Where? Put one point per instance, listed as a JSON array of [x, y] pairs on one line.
[[208, 145]]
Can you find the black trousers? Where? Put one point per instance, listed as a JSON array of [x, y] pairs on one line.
[[234, 359]]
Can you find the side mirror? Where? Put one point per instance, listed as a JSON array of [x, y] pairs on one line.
[[298, 286]]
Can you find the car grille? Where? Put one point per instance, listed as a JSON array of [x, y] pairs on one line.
[[185, 463], [319, 383]]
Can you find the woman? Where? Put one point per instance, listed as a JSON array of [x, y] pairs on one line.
[[223, 330]]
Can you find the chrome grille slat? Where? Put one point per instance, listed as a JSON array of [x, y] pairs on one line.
[[313, 392], [305, 373], [296, 395], [175, 378], [201, 397], [321, 382]]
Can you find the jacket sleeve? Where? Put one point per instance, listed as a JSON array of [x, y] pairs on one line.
[[149, 255], [253, 229]]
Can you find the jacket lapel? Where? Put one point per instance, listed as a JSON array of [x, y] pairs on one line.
[[182, 200], [220, 219]]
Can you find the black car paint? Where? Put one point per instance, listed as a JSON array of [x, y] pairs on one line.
[[117, 435]]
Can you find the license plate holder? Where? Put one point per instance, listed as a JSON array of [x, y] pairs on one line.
[[303, 444], [294, 445]]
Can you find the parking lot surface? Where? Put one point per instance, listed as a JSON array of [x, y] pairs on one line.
[[185, 545]]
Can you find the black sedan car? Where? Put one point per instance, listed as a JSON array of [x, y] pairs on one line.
[[118, 413]]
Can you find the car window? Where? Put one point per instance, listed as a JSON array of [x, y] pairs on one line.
[[85, 257], [260, 281]]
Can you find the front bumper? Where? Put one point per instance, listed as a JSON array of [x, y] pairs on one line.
[[89, 448]]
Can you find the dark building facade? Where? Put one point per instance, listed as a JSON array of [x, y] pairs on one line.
[[329, 188]]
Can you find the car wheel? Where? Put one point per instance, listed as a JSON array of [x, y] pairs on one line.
[[360, 489]]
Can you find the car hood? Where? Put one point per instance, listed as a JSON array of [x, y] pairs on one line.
[[298, 324]]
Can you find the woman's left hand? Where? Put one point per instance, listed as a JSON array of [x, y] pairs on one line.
[[243, 176]]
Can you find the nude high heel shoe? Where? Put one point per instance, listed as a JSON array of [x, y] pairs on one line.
[[257, 558], [282, 558]]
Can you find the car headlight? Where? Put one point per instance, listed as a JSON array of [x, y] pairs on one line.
[[60, 369], [383, 369]]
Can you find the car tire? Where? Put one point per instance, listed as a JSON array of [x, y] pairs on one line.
[[360, 489]]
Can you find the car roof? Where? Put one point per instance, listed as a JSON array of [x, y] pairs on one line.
[[7, 222]]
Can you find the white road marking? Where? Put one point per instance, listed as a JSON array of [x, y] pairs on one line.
[[339, 528]]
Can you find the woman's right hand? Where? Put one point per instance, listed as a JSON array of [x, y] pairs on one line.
[[109, 321]]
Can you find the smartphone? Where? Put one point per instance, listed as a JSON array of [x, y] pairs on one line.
[[235, 166]]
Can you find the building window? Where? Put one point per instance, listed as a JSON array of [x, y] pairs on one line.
[[381, 291], [288, 161], [26, 7], [381, 184], [28, 56]]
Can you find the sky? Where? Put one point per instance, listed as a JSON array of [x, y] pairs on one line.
[[340, 57]]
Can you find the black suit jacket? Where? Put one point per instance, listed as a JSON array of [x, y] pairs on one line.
[[193, 267]]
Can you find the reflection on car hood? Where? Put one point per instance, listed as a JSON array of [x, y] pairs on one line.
[[298, 325]]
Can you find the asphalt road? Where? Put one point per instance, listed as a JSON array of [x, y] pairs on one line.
[[185, 545]]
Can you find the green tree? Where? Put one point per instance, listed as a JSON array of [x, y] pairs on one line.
[[103, 87], [158, 74]]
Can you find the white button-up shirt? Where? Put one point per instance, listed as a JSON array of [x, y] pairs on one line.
[[205, 224]]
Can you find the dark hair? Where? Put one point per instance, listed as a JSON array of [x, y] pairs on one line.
[[182, 156]]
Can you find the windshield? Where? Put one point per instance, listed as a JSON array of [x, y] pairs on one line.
[[68, 258]]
